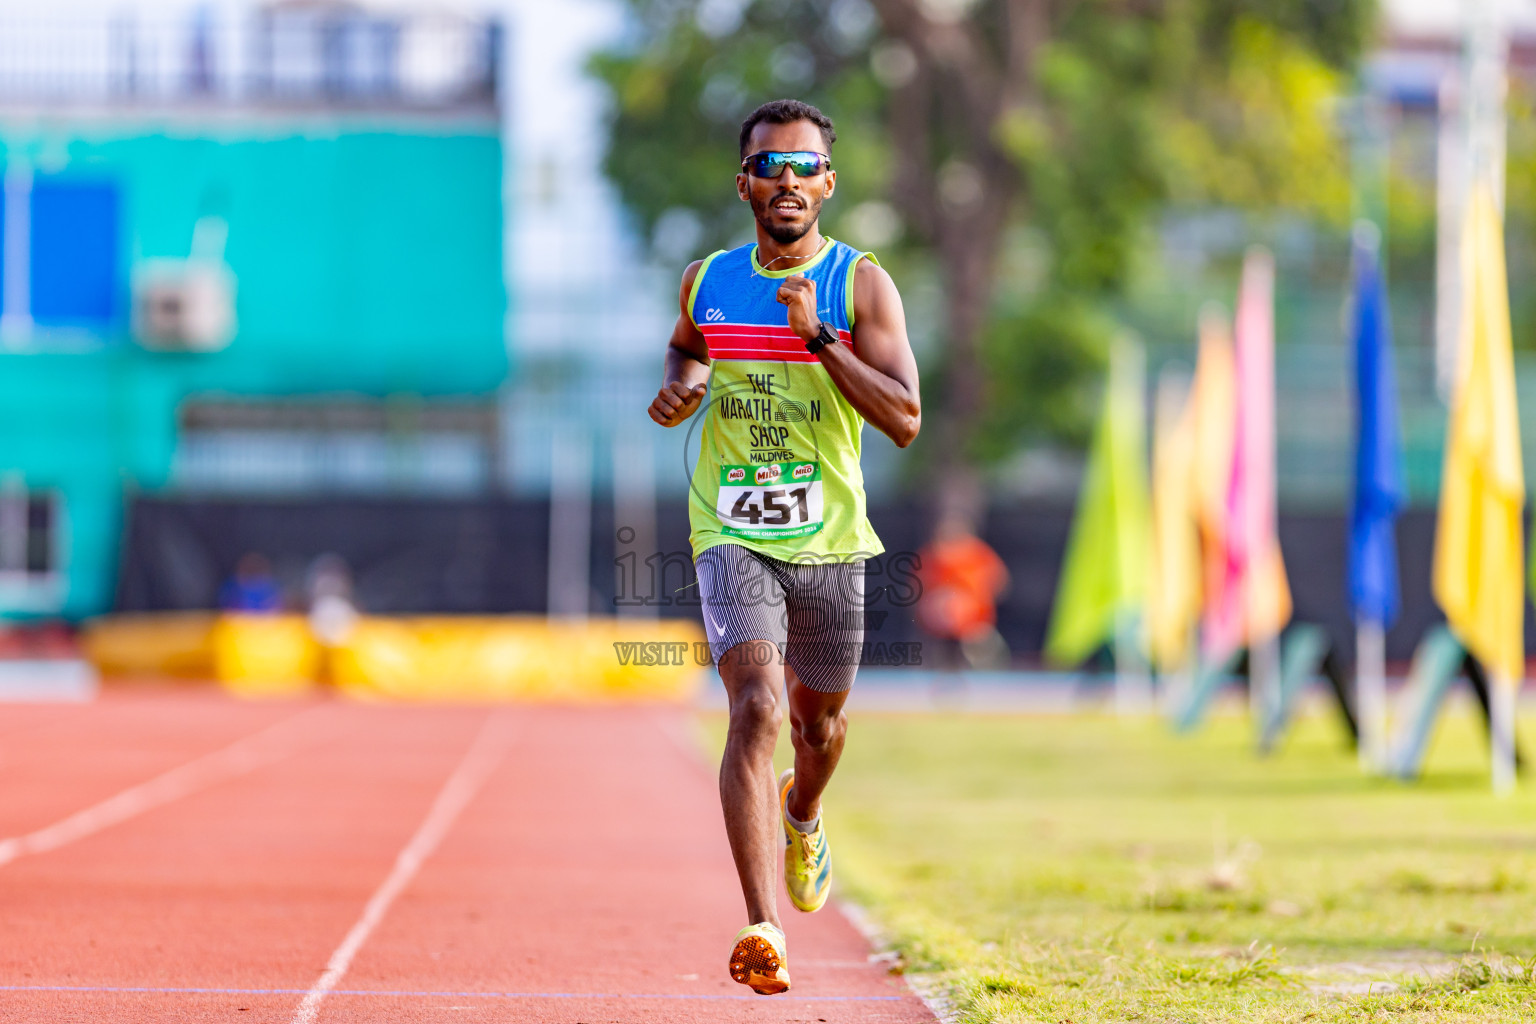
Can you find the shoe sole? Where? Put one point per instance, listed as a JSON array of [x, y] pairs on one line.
[[756, 964]]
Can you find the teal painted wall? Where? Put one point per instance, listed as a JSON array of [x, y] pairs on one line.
[[368, 261], [90, 427]]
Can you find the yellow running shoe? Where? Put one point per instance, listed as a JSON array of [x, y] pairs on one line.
[[758, 959], [807, 858]]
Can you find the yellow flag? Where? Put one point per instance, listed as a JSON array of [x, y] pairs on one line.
[[1478, 550], [1173, 584]]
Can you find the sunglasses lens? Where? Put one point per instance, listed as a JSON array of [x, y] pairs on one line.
[[766, 165], [806, 165], [771, 165]]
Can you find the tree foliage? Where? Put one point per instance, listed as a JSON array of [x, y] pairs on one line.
[[960, 118], [694, 68]]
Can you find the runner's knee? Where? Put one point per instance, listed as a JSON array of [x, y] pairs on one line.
[[756, 714], [820, 731]]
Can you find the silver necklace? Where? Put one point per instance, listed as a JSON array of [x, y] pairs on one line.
[[765, 266]]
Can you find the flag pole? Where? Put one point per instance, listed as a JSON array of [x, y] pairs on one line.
[[1133, 683], [1175, 684], [1264, 679], [1371, 693], [1501, 731], [1487, 72]]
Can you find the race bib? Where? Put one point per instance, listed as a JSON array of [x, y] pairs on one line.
[[780, 499]]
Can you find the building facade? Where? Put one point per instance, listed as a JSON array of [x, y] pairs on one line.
[[261, 256]]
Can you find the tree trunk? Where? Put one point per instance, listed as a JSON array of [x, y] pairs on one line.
[[957, 188], [970, 248]]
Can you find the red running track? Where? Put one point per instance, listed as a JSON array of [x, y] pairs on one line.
[[330, 861]]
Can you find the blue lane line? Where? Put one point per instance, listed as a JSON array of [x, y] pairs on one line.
[[439, 995]]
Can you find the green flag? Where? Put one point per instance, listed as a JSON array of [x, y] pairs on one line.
[[1104, 576]]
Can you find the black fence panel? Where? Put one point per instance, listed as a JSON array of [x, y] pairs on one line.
[[489, 555]]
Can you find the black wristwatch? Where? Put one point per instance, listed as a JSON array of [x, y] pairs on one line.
[[827, 337]]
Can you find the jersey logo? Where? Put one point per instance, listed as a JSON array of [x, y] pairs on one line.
[[713, 315], [768, 474]]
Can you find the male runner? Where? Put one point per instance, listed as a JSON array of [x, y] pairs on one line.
[[799, 339]]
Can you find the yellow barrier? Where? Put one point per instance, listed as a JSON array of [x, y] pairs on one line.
[[265, 655], [518, 658], [492, 658], [253, 655], [176, 645]]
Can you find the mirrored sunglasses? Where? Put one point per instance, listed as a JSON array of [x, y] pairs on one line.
[[771, 165]]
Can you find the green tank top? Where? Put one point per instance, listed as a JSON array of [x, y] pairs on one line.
[[778, 465]]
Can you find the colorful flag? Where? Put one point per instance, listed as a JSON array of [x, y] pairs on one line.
[[1379, 490], [1213, 408], [1173, 584], [1104, 575], [1254, 602], [1478, 545]]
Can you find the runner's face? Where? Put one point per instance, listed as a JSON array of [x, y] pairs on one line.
[[787, 206]]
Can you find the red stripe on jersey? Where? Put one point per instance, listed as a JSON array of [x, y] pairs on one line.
[[760, 341], [765, 357], [759, 330]]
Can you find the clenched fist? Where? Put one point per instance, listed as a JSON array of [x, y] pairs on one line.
[[799, 294], [676, 402]]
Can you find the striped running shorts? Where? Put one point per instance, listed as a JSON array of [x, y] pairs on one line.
[[812, 611]]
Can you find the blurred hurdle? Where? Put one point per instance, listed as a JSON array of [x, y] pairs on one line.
[[1305, 655], [1210, 677], [1437, 664]]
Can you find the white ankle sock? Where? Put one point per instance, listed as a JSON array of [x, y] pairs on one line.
[[803, 827]]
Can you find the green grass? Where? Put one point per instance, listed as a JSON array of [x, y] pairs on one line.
[[1088, 869]]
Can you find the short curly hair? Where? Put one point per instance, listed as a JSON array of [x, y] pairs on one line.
[[787, 112]]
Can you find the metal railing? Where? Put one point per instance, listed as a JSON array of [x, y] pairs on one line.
[[336, 446], [282, 54]]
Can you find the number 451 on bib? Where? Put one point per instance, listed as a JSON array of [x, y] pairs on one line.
[[780, 499]]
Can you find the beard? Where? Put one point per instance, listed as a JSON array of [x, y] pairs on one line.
[[786, 233]]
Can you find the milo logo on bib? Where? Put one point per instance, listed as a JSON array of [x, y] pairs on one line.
[[783, 500]]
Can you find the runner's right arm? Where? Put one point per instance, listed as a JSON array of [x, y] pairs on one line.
[[686, 371]]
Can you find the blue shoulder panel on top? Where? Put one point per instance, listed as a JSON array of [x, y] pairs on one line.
[[733, 291]]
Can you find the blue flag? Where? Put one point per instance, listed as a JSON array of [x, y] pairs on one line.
[[1379, 490]]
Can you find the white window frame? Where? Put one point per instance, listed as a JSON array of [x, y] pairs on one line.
[[23, 589]]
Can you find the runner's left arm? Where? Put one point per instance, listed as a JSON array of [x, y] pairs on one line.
[[878, 375]]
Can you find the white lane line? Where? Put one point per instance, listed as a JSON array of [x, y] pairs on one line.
[[240, 757], [473, 770]]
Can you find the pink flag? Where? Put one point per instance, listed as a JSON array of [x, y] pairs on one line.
[[1255, 602]]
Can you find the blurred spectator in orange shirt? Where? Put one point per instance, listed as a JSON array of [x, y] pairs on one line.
[[962, 578]]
